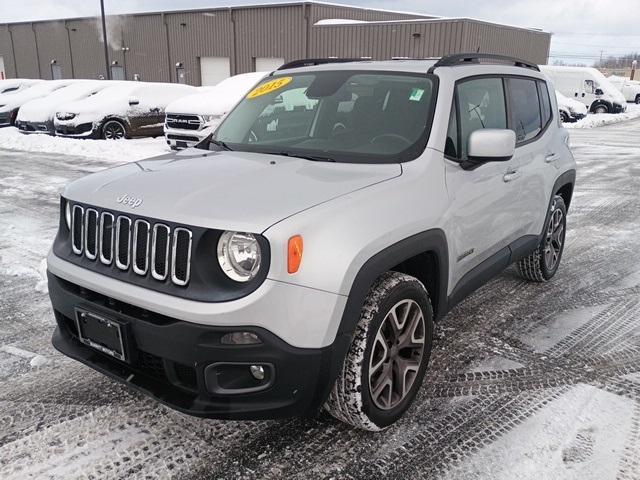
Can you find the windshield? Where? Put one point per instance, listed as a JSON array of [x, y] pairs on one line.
[[343, 116]]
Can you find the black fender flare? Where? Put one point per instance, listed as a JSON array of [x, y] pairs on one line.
[[433, 241]]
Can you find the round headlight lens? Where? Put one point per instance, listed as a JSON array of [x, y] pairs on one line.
[[67, 214], [239, 255]]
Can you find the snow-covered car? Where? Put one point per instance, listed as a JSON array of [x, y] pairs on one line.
[[587, 85], [129, 109], [11, 102], [191, 119], [15, 85], [629, 88], [570, 110], [37, 115]]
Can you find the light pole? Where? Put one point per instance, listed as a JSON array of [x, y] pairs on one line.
[[104, 40]]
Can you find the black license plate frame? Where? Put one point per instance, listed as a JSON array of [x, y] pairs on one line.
[[102, 333]]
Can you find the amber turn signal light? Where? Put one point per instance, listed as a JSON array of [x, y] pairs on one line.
[[295, 254]]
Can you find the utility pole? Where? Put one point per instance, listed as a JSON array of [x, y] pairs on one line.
[[104, 40]]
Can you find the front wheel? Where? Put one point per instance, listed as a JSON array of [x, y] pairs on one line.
[[113, 130], [388, 357], [543, 263], [637, 99], [601, 109]]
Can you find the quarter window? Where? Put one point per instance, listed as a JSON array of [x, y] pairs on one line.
[[545, 103], [525, 108], [481, 104]]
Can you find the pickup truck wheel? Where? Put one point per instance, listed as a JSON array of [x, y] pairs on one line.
[[543, 263], [388, 357]]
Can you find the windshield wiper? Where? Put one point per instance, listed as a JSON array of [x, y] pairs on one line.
[[314, 158], [221, 144]]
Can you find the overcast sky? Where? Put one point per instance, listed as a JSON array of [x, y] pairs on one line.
[[582, 29]]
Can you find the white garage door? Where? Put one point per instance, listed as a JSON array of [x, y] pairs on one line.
[[268, 64], [214, 69]]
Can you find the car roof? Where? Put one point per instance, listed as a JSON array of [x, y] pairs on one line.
[[400, 65]]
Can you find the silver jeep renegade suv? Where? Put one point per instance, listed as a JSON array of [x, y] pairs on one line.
[[299, 257]]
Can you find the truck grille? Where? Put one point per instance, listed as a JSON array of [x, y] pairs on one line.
[[183, 122], [134, 245]]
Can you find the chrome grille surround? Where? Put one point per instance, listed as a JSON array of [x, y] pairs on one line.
[[132, 244]]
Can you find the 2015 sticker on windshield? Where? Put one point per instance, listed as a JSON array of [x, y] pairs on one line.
[[269, 87]]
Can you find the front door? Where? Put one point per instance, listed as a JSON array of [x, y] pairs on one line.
[[484, 214]]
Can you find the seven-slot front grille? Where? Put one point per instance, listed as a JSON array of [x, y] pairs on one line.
[[128, 244]]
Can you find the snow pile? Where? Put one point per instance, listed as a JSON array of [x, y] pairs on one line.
[[599, 120], [117, 151]]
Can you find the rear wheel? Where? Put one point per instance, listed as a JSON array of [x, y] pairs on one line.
[[543, 263], [564, 116], [388, 357], [638, 99], [113, 130]]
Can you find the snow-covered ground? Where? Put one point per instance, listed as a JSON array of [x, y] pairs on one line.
[[599, 120], [526, 381], [115, 151]]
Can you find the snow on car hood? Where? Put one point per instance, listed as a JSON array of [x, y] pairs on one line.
[[219, 99], [224, 190]]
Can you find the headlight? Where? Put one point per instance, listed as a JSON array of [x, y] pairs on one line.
[[67, 214], [211, 118], [239, 255], [65, 115]]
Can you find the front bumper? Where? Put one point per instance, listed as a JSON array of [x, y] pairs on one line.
[[36, 127], [80, 130], [178, 138], [171, 360]]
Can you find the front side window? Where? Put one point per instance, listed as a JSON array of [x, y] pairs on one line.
[[589, 87], [344, 116], [525, 108], [481, 104]]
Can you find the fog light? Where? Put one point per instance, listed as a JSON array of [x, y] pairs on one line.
[[257, 371], [240, 338]]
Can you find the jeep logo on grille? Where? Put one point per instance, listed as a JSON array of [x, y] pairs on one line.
[[129, 200]]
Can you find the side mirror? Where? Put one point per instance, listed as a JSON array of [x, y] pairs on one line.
[[599, 91], [134, 101], [490, 145]]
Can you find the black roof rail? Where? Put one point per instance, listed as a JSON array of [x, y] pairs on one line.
[[458, 59], [310, 62]]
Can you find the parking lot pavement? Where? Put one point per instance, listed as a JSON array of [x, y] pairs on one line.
[[526, 381]]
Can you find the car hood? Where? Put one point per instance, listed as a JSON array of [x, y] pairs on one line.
[[224, 190]]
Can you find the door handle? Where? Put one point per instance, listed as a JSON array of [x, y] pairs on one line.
[[551, 157], [511, 176]]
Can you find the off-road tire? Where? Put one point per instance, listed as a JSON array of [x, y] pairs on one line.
[[536, 266], [350, 400]]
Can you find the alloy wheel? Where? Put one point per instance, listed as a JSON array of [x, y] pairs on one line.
[[554, 239], [396, 354], [113, 131]]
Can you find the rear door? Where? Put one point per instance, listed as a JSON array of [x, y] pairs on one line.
[[484, 216], [530, 118]]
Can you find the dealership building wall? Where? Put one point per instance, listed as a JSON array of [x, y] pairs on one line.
[[203, 46]]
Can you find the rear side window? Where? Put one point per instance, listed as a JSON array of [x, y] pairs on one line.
[[545, 103], [480, 104], [525, 108]]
